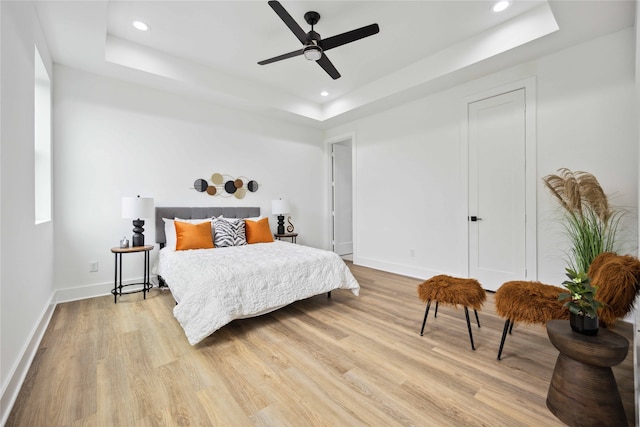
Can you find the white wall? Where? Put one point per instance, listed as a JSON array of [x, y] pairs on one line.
[[409, 165], [26, 249], [116, 139]]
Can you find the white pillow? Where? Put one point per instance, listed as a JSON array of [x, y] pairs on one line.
[[170, 229], [193, 221], [253, 218]]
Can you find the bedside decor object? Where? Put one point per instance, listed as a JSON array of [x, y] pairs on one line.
[[124, 243], [226, 186], [290, 227], [582, 304], [280, 208], [137, 208]]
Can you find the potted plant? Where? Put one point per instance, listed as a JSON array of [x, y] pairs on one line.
[[590, 222], [582, 304]]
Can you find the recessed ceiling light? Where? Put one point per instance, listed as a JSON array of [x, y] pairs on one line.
[[501, 5], [139, 25], [324, 93]]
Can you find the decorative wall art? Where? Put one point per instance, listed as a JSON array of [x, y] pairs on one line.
[[226, 186]]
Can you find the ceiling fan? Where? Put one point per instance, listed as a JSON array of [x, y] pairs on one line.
[[314, 45]]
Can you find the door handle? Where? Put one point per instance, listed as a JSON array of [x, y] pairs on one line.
[[474, 218]]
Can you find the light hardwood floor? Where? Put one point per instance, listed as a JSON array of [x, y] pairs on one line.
[[344, 361]]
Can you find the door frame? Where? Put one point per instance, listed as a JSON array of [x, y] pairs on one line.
[[349, 136], [531, 177]]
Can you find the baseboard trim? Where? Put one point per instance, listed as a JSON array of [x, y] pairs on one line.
[[404, 270], [20, 370], [93, 291]]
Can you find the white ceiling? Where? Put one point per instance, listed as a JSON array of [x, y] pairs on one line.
[[210, 49]]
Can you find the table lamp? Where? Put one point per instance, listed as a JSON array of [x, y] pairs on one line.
[[137, 208], [280, 207]]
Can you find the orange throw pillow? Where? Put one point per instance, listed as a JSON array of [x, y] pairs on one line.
[[193, 236], [258, 231]]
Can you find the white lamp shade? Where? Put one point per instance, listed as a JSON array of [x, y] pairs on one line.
[[279, 207], [137, 207]]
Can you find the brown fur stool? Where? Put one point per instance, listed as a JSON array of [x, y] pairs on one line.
[[617, 278], [528, 302], [453, 291]]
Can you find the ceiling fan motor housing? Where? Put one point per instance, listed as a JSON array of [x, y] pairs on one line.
[[312, 17], [313, 37]]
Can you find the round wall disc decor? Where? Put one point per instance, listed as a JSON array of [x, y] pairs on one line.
[[217, 179], [226, 186], [240, 193], [230, 187], [200, 185]]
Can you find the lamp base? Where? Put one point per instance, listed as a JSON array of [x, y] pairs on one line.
[[138, 237], [280, 224]]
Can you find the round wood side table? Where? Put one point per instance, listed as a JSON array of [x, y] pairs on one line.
[[583, 390], [117, 280]]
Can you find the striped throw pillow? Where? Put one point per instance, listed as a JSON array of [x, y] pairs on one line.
[[228, 232]]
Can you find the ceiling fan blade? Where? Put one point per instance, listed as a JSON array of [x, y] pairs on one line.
[[281, 57], [328, 67], [289, 21], [349, 36]]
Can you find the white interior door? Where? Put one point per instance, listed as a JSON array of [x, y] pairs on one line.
[[342, 198], [497, 191]]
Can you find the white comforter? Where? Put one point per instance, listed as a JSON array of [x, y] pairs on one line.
[[215, 286]]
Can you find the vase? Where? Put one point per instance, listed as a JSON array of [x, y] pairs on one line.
[[583, 324]]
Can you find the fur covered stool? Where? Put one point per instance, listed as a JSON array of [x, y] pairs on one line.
[[528, 302], [453, 291]]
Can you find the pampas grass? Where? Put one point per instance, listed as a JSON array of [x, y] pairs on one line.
[[590, 223]]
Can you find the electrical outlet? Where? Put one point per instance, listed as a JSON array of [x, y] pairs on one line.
[[93, 266]]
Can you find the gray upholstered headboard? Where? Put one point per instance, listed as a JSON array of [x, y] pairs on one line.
[[199, 212]]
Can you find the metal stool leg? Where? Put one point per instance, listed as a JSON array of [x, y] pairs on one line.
[[511, 327], [436, 314], [504, 336], [426, 313], [466, 313], [477, 319]]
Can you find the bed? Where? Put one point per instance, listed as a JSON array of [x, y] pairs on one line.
[[212, 287]]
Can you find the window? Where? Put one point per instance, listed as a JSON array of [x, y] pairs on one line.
[[42, 140]]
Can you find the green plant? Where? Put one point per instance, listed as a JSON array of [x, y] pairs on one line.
[[581, 295], [590, 223]]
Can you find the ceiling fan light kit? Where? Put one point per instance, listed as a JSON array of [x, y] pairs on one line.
[[314, 47], [312, 52]]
